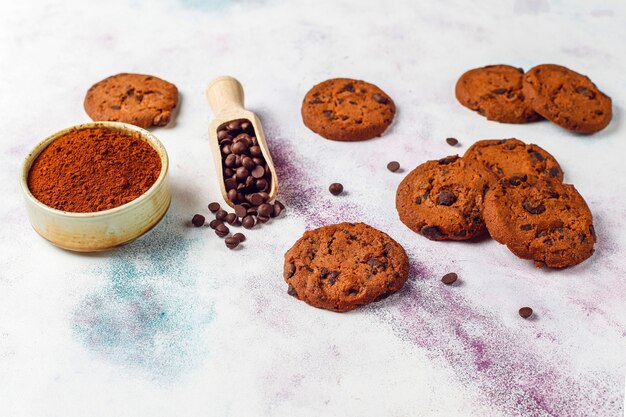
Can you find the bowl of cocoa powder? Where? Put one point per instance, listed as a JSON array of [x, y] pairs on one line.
[[96, 186]]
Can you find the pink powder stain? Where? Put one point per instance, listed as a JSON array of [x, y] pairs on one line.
[[504, 366]]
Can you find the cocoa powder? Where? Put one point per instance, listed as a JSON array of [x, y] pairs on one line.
[[93, 169]]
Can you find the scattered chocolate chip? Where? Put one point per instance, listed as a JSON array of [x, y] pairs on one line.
[[335, 188], [446, 198], [278, 208], [499, 90], [198, 220], [380, 98], [452, 141], [525, 312], [240, 211], [221, 214], [231, 242], [215, 223], [213, 207], [240, 236], [265, 210], [449, 278], [585, 92], [538, 208], [231, 218], [248, 222], [393, 166], [221, 230]]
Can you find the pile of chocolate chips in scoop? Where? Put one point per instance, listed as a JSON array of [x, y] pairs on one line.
[[247, 180]]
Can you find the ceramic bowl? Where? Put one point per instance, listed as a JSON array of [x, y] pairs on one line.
[[101, 230]]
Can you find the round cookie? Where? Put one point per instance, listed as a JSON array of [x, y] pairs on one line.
[[512, 159], [443, 200], [542, 220], [567, 98], [142, 100], [347, 110], [495, 91], [343, 266]]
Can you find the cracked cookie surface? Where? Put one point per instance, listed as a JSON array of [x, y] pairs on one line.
[[443, 200], [542, 220], [347, 110], [512, 160], [343, 266], [141, 100], [495, 91], [567, 98]]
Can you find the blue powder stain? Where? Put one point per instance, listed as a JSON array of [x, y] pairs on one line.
[[148, 315]]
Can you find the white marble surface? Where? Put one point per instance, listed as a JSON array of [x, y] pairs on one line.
[[175, 324]]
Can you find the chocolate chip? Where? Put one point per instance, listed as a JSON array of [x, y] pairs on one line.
[[258, 172], [526, 227], [418, 200], [499, 90], [221, 230], [239, 148], [537, 156], [291, 269], [248, 222], [380, 98], [116, 108], [240, 211], [516, 180], [432, 232], [231, 242], [448, 159], [348, 87], [198, 220], [335, 188], [240, 236], [221, 214], [585, 92], [213, 207], [452, 141], [265, 210], [215, 223], [278, 208], [393, 166], [230, 184], [263, 219], [256, 199], [231, 219], [537, 208], [592, 230], [328, 114], [374, 263], [554, 172], [446, 198], [449, 278], [525, 312]]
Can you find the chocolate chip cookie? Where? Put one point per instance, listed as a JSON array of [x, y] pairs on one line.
[[443, 200], [542, 220], [343, 266], [567, 98], [141, 100], [347, 110], [495, 91], [512, 159]]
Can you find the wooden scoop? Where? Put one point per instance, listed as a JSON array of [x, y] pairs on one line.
[[225, 95]]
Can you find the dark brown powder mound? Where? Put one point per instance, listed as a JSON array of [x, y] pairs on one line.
[[93, 169]]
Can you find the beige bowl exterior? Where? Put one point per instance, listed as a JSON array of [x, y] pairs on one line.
[[102, 230]]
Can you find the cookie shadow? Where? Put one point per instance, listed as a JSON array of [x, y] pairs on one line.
[[175, 112]]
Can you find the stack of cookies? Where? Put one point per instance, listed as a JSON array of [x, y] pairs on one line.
[[505, 94], [512, 190]]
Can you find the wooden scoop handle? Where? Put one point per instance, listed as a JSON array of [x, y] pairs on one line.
[[225, 93]]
